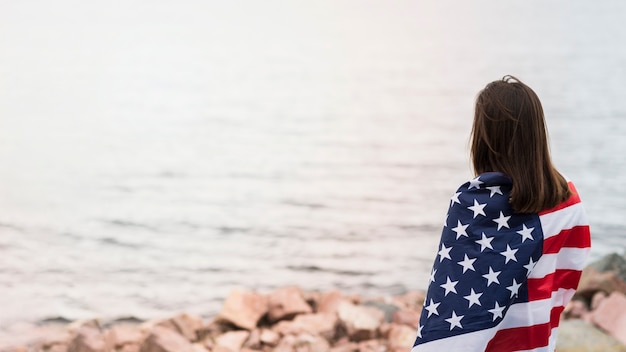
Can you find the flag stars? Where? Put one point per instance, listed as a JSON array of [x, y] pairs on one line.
[[478, 208], [467, 264], [514, 288], [496, 311], [473, 298], [509, 254], [455, 199], [526, 233], [494, 190], [485, 242], [502, 221], [529, 266], [419, 331], [432, 308], [475, 183], [444, 252], [460, 229], [432, 275], [455, 321], [449, 286], [492, 277]]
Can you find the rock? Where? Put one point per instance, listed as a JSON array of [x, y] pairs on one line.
[[269, 337], [372, 346], [285, 303], [593, 281], [413, 300], [580, 336], [198, 347], [323, 324], [361, 322], [345, 347], [401, 336], [58, 348], [84, 323], [120, 335], [244, 309], [88, 338], [611, 316], [233, 340], [612, 262], [597, 298], [407, 317], [187, 325], [387, 308], [329, 302], [131, 347], [302, 343], [576, 309], [254, 340], [162, 339]]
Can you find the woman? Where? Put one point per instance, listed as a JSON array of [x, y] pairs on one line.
[[515, 240]]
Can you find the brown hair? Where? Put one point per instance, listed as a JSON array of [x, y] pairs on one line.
[[509, 135]]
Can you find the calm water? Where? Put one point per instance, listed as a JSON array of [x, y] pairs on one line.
[[155, 155]]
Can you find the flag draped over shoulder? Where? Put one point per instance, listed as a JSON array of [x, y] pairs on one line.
[[501, 280]]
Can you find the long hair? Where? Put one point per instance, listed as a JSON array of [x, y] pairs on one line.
[[509, 135]]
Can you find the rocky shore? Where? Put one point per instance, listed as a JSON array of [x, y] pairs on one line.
[[292, 320]]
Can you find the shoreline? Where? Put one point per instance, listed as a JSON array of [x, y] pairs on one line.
[[291, 319]]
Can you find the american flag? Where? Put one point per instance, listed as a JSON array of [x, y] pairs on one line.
[[501, 280]]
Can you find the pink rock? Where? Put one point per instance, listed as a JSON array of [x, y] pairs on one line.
[[401, 336], [269, 337], [57, 348], [232, 340], [130, 347], [329, 302], [597, 298], [162, 339], [302, 343], [120, 335], [372, 346], [286, 302], [593, 281], [576, 309], [187, 325], [89, 339], [254, 340], [407, 317], [345, 347], [611, 315], [413, 300], [244, 309], [361, 322], [323, 324], [198, 347]]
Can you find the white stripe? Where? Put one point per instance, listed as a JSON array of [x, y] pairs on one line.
[[553, 223], [535, 312], [473, 341], [519, 315], [566, 259]]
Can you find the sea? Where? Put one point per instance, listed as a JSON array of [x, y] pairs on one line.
[[155, 155]]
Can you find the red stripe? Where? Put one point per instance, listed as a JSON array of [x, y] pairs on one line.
[[527, 337], [516, 339], [542, 288], [573, 199], [576, 237]]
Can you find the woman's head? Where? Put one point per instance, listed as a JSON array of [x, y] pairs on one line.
[[509, 135]]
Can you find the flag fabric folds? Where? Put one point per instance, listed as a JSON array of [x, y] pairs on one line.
[[500, 280]]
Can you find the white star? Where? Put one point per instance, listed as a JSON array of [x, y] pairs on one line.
[[485, 242], [432, 275], [445, 222], [494, 190], [529, 266], [419, 331], [475, 183], [455, 320], [444, 252], [432, 308], [455, 199], [509, 254], [502, 221], [514, 288], [473, 298], [526, 233], [449, 286], [496, 311], [492, 277], [467, 264], [460, 229], [477, 209]]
